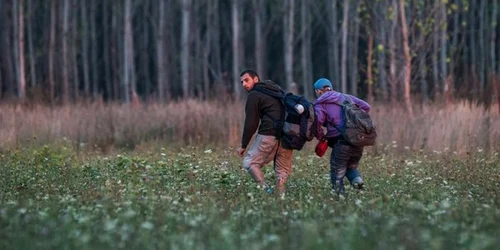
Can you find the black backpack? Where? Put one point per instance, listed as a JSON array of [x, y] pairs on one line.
[[359, 129], [294, 128]]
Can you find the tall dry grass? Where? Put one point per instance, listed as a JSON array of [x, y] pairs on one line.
[[459, 127]]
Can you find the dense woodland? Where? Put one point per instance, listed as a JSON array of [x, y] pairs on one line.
[[63, 51]]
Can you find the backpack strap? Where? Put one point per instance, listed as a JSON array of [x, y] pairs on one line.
[[347, 99], [278, 95], [275, 94]]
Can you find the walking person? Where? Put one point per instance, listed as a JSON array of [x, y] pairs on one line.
[[261, 110], [345, 157]]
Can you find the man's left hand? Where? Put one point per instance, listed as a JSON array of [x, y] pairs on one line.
[[241, 151]]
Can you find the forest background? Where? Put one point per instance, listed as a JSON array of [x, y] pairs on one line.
[[71, 69]]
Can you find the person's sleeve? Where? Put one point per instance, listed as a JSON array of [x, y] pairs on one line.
[[320, 119], [252, 119], [362, 104]]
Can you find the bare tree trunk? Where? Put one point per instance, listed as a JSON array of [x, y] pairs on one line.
[[444, 70], [107, 63], [454, 40], [9, 61], [435, 53], [354, 50], [144, 51], [381, 37], [392, 50], [196, 71], [1, 59], [74, 49], [52, 48], [492, 68], [288, 27], [344, 46], [333, 59], [65, 53], [2, 30], [206, 52], [422, 56], [31, 12], [128, 56], [453, 53], [306, 49], [94, 47], [369, 68], [21, 88], [15, 46], [161, 52], [482, 54], [216, 56], [116, 57], [407, 58], [473, 55], [185, 46], [259, 8], [496, 90], [493, 50], [85, 47], [235, 17]]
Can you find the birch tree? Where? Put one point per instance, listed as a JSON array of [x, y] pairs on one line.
[[472, 46], [107, 65], [144, 51], [52, 48], [94, 47], [344, 46], [381, 38], [21, 92], [333, 59], [31, 47], [288, 27], [353, 57], [392, 52], [74, 50], [404, 30], [306, 60], [85, 46], [443, 27], [185, 46], [128, 53], [235, 17], [65, 52], [161, 58], [260, 17]]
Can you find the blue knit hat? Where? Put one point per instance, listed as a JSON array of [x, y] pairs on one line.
[[321, 83]]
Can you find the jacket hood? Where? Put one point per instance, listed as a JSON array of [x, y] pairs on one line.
[[330, 97], [268, 84]]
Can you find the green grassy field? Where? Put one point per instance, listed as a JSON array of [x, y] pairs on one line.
[[52, 198]]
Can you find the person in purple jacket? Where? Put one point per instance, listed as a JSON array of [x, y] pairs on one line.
[[344, 158]]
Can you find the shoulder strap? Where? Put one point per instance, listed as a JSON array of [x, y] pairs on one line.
[[348, 98], [269, 92], [278, 95]]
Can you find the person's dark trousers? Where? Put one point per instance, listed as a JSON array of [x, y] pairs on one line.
[[343, 156]]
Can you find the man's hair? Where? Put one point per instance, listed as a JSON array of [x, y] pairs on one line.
[[250, 72]]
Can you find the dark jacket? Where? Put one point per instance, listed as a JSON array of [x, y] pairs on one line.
[[258, 104]]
